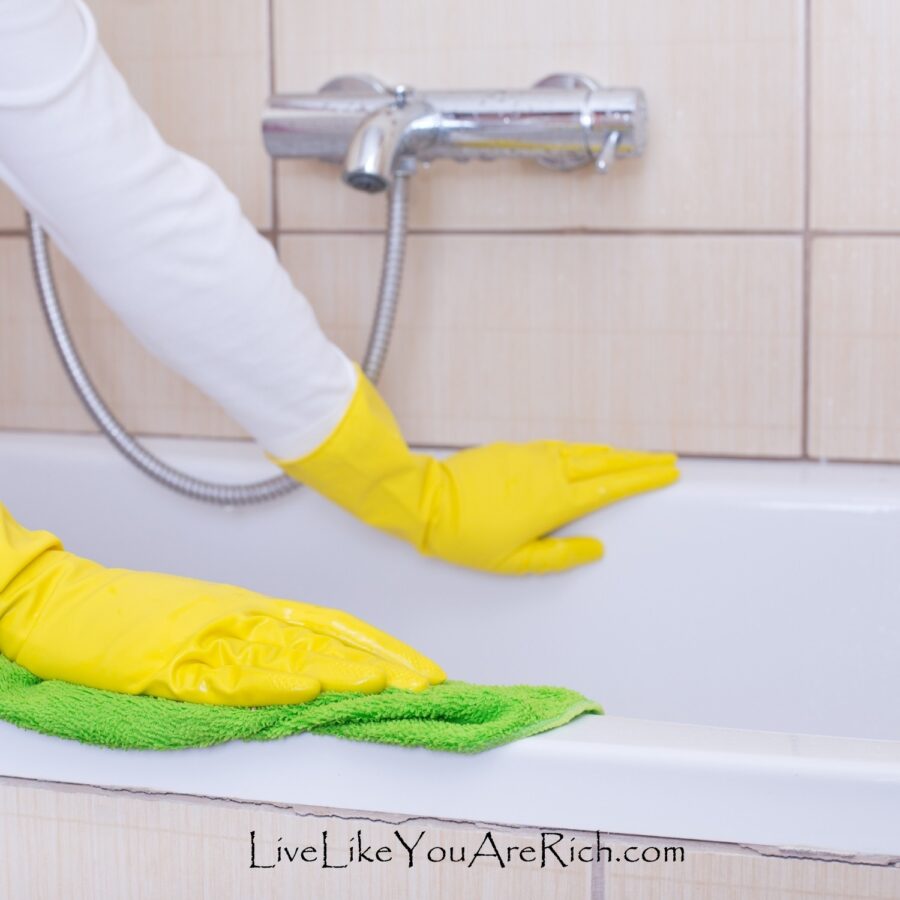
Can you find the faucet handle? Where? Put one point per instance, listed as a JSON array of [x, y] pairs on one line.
[[606, 156]]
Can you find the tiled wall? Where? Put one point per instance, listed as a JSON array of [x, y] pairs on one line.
[[734, 292]]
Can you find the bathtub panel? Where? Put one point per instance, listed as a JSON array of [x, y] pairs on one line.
[[855, 349], [723, 81], [201, 70], [126, 844], [83, 844], [744, 873], [692, 344], [855, 170]]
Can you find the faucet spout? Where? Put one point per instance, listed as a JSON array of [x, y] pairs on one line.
[[385, 138]]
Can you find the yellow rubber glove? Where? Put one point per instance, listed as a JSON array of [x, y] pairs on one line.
[[487, 508], [138, 633]]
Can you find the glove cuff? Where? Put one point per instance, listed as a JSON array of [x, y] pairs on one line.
[[19, 548], [366, 467]]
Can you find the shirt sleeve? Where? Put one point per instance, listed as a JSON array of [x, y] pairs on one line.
[[157, 234]]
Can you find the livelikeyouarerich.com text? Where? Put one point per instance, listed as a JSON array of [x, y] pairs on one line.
[[546, 849]]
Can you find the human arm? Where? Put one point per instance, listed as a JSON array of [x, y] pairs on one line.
[[165, 245], [157, 234]]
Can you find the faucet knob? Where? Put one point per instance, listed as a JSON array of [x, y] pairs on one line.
[[354, 84], [401, 95]]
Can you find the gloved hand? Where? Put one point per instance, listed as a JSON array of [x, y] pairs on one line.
[[138, 633], [488, 508]]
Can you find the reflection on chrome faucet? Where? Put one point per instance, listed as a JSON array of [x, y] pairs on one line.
[[564, 122]]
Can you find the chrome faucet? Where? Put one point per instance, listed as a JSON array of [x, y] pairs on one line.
[[390, 139], [564, 122]]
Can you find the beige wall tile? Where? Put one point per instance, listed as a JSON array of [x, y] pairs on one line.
[[718, 874], [723, 80], [34, 392], [855, 348], [679, 342], [855, 114], [515, 337], [11, 215], [201, 70]]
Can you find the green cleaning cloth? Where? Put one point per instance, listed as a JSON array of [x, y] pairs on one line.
[[454, 716]]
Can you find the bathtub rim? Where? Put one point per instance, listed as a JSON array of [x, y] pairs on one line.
[[600, 773]]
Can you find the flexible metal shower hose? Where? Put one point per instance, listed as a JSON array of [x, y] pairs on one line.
[[131, 449]]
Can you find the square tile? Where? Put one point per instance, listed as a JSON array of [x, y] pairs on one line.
[[724, 81], [855, 349], [34, 390], [685, 343], [855, 177], [201, 70], [727, 872], [12, 218]]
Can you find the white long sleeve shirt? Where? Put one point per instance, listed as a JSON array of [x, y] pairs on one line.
[[157, 234]]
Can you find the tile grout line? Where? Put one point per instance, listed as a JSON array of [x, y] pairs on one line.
[[425, 445], [598, 880], [273, 167], [553, 232], [812, 233], [806, 274], [800, 232], [851, 233]]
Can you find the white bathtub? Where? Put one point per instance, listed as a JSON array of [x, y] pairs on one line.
[[743, 634]]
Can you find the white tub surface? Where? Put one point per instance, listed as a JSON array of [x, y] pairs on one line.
[[742, 633]]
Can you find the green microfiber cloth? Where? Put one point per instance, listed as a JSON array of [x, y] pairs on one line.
[[465, 718]]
